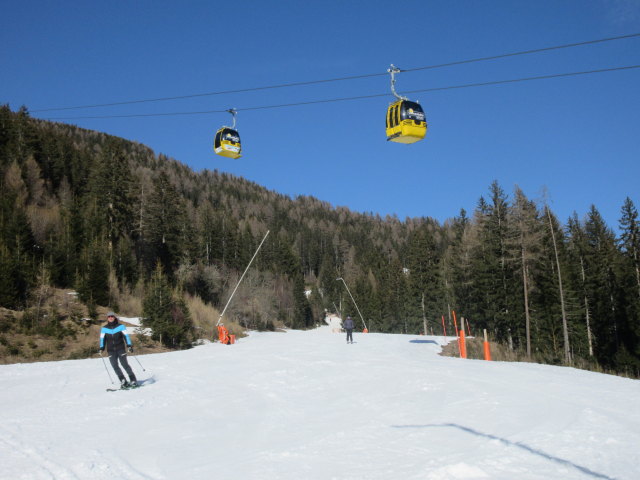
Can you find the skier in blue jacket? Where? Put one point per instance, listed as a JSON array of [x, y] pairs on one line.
[[348, 326], [115, 338]]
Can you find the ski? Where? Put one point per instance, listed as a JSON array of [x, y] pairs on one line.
[[139, 384], [124, 388]]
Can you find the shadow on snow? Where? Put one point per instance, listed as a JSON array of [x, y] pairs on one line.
[[509, 443]]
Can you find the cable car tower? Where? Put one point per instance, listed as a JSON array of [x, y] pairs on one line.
[[406, 122], [227, 140]]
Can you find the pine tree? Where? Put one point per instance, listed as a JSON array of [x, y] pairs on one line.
[[630, 239], [456, 264], [577, 250], [601, 283], [20, 248], [561, 286], [628, 357], [525, 244], [164, 220], [113, 186], [425, 287], [9, 294], [302, 317], [93, 284], [493, 287], [165, 312]]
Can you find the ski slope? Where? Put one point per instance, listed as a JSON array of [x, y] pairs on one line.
[[305, 405]]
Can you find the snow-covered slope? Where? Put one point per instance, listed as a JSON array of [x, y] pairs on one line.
[[305, 405]]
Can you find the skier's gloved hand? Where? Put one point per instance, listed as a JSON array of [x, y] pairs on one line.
[[130, 349]]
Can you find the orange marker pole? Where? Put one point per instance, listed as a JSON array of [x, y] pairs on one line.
[[463, 344], [487, 349], [455, 321], [444, 328], [468, 328]]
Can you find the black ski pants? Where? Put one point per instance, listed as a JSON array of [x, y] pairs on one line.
[[349, 334], [122, 356]]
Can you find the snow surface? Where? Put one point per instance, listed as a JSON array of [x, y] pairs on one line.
[[306, 405]]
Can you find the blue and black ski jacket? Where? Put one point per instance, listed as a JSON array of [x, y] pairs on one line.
[[114, 336]]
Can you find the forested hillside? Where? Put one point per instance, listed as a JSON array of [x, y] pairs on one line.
[[86, 211]]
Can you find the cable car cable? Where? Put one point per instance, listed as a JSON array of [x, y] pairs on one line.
[[361, 97], [354, 77], [525, 52]]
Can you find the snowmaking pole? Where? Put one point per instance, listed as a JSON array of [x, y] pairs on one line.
[[239, 281], [354, 302]]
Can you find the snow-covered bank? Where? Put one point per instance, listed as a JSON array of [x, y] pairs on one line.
[[305, 405]]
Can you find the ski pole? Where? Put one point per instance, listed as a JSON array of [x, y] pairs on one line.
[[105, 367], [136, 357]]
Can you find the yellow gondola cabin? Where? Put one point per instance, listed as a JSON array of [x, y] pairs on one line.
[[406, 122], [227, 143]]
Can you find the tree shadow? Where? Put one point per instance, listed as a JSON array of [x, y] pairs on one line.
[[423, 341], [509, 443]]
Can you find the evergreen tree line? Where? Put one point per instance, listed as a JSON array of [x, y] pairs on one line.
[[81, 209]]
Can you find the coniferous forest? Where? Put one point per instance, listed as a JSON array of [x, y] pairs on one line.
[[100, 215]]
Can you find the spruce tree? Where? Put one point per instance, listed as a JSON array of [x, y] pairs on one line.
[[525, 247], [630, 240], [302, 316], [163, 225], [165, 312], [628, 358], [112, 185], [577, 248], [93, 285], [601, 283]]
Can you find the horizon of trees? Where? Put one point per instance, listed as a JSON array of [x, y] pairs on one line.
[[81, 209]]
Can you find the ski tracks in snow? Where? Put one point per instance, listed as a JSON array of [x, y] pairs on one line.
[[37, 464], [34, 461]]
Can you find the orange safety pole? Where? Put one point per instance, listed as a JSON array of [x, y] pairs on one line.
[[468, 327], [455, 322], [444, 328], [487, 349], [463, 344]]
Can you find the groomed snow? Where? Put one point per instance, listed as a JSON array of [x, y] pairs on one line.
[[305, 405]]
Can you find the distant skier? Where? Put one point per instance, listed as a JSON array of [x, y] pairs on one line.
[[348, 326], [115, 338]]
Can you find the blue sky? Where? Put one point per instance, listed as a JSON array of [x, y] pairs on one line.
[[576, 137]]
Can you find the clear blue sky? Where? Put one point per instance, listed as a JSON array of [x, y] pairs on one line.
[[578, 137]]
